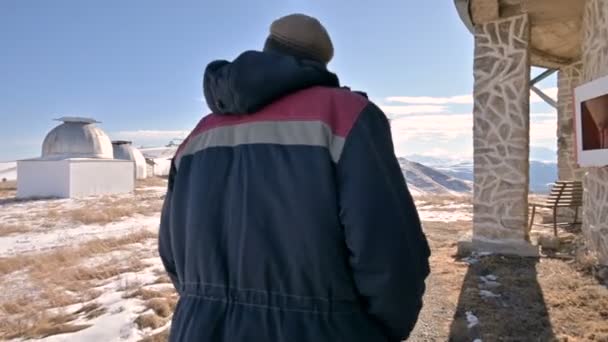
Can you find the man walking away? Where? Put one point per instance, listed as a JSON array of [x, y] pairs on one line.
[[287, 217]]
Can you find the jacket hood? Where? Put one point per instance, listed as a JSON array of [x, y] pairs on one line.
[[256, 79]]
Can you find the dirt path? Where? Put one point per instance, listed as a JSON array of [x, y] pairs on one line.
[[494, 298]]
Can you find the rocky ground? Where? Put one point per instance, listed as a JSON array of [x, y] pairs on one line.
[[496, 298]]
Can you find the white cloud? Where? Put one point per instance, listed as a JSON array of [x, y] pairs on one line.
[[392, 111], [445, 135], [543, 132], [551, 92], [459, 99]]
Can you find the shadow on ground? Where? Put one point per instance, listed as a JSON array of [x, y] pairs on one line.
[[501, 300]]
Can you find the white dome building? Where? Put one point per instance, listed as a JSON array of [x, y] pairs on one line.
[[77, 160], [77, 138], [125, 150]]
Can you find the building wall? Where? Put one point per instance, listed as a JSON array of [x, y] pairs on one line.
[[128, 152], [73, 177], [162, 166], [595, 65], [501, 129], [99, 177], [42, 178], [569, 78]]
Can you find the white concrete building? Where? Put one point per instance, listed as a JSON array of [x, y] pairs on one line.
[[124, 150], [77, 160], [159, 159]]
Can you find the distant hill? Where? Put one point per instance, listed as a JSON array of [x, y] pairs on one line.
[[542, 173], [8, 171], [424, 174], [422, 179]]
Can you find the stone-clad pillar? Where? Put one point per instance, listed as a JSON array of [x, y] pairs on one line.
[[595, 65], [569, 77], [502, 136]]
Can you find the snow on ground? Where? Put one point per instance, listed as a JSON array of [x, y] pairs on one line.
[[444, 208], [117, 310], [446, 213], [118, 321], [45, 240], [472, 319], [112, 274], [30, 213]]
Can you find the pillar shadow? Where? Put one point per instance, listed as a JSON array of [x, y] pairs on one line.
[[501, 300]]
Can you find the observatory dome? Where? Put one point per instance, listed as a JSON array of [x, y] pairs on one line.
[[77, 138], [125, 150]]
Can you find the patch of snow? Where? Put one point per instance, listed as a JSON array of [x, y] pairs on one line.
[[488, 294], [489, 281], [471, 319], [41, 241], [475, 256], [471, 260], [489, 277], [477, 340], [117, 324]]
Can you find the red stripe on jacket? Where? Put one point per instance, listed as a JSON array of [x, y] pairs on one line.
[[337, 107]]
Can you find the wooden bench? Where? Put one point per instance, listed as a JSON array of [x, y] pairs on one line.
[[564, 194]]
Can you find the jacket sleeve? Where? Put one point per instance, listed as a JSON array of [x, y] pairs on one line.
[[165, 249], [388, 250]]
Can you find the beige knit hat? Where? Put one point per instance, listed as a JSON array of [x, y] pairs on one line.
[[301, 36]]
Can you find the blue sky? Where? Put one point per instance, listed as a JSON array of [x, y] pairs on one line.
[[137, 66]]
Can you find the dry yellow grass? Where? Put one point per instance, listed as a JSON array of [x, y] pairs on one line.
[[101, 210], [442, 200], [151, 181], [163, 279], [15, 306], [7, 187], [47, 297], [38, 325], [11, 229], [64, 276], [109, 210], [91, 310], [162, 307], [162, 302], [147, 294], [61, 279], [150, 321], [162, 336], [104, 271], [60, 258], [8, 190]]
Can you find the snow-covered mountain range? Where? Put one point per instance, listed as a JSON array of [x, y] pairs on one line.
[[542, 173], [424, 174], [422, 179]]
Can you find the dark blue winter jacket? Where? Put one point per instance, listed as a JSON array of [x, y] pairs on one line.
[[287, 217]]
